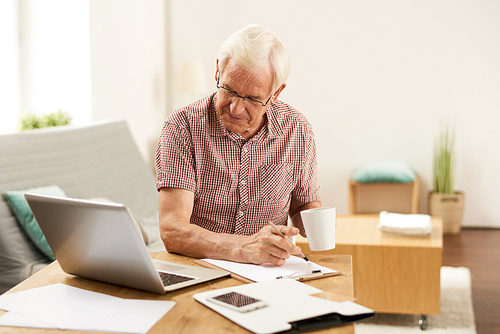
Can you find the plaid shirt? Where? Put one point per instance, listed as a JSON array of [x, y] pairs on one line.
[[238, 185]]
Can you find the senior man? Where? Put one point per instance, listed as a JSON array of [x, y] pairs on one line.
[[240, 158]]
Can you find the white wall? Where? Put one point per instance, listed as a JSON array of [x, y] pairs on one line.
[[9, 67], [128, 66], [375, 78]]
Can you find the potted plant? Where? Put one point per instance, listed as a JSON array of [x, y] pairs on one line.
[[444, 201], [32, 121]]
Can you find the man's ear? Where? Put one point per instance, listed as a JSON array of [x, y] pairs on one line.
[[277, 93], [216, 70]]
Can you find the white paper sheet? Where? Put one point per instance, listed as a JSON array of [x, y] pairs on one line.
[[294, 266], [64, 307], [19, 320]]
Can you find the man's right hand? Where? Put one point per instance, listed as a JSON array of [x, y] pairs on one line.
[[267, 246]]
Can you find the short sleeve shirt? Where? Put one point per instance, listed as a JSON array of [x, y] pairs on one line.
[[238, 185]]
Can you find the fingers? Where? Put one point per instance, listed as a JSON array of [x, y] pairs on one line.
[[279, 246], [269, 246], [284, 247], [289, 230], [266, 258], [286, 244]]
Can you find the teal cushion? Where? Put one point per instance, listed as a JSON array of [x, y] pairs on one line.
[[25, 216], [384, 172]]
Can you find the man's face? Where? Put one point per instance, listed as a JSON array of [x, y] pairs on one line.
[[241, 116]]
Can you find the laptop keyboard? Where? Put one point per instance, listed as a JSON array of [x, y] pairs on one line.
[[171, 279]]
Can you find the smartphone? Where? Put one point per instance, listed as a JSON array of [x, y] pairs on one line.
[[237, 301]]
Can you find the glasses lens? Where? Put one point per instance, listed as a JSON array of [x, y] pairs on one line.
[[228, 93], [252, 103], [248, 101]]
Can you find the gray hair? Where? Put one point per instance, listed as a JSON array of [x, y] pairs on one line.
[[254, 49]]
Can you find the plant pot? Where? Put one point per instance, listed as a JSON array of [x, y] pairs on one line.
[[450, 207]]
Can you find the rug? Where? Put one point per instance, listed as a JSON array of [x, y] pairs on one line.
[[457, 314]]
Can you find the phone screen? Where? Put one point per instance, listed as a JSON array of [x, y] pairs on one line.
[[238, 301]]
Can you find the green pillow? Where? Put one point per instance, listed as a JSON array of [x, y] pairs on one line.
[[384, 172], [25, 216]]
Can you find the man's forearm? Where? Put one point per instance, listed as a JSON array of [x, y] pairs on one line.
[[262, 247], [195, 241]]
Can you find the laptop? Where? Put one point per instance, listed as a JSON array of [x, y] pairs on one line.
[[102, 241]]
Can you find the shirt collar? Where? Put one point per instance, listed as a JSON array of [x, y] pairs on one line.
[[275, 127], [216, 127]]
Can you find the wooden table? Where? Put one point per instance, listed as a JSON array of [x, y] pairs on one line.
[[392, 273], [189, 316]]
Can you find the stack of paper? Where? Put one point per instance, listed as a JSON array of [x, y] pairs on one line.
[[417, 224], [65, 307]]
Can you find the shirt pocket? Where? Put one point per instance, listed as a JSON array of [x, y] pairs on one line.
[[276, 182]]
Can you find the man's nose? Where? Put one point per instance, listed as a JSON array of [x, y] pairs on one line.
[[237, 105]]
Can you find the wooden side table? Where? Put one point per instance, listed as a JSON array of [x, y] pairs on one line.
[[392, 273]]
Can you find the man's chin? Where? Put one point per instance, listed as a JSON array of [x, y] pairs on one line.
[[235, 127]]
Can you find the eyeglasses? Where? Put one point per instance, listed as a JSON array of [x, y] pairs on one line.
[[248, 101]]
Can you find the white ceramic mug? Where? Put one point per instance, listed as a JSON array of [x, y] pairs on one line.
[[319, 225]]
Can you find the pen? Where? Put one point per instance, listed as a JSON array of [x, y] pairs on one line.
[[303, 276], [279, 232]]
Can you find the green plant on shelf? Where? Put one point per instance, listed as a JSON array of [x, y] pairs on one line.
[[33, 121]]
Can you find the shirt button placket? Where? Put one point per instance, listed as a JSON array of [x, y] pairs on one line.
[[240, 225]]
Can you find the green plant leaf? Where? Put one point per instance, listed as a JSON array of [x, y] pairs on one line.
[[444, 160]]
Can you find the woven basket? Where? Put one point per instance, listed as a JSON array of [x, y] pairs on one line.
[[450, 207]]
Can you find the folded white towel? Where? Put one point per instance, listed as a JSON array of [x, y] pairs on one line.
[[405, 223]]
